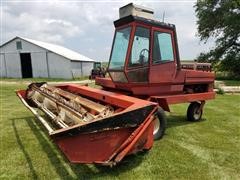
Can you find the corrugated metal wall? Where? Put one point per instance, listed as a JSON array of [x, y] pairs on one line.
[[80, 68], [44, 63], [3, 72], [59, 67], [39, 64], [86, 68], [13, 65], [76, 67], [13, 62]]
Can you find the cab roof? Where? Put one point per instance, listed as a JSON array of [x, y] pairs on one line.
[[152, 22]]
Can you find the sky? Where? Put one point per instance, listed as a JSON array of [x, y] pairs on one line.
[[87, 26]]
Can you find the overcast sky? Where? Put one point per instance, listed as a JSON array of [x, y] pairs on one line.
[[87, 26]]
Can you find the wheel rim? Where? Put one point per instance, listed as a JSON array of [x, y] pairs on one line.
[[197, 114], [156, 125]]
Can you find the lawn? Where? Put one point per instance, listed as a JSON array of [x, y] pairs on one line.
[[26, 80], [209, 149], [232, 82]]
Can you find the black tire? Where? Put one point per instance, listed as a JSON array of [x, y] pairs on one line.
[[159, 124], [192, 112]]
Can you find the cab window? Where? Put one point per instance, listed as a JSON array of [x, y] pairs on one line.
[[120, 47], [140, 49], [162, 47]]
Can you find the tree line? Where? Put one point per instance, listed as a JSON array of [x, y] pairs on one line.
[[220, 19]]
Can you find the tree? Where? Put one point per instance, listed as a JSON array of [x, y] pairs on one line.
[[220, 19]]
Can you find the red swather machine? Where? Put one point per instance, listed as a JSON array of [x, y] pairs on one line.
[[104, 125]]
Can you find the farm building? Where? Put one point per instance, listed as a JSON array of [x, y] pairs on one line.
[[26, 58]]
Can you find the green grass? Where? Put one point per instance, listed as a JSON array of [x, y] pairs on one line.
[[232, 82], [41, 79], [209, 149], [226, 76]]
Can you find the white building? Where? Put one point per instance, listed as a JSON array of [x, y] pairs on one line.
[[26, 58]]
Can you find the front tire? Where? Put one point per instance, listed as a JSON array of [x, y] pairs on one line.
[[159, 124], [193, 112]]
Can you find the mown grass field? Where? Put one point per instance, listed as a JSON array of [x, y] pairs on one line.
[[27, 80], [209, 149], [232, 82]]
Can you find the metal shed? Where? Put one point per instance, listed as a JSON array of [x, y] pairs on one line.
[[26, 58]]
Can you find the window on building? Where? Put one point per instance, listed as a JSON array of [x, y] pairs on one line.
[[19, 45], [162, 48]]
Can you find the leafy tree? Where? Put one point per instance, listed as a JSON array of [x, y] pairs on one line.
[[220, 19]]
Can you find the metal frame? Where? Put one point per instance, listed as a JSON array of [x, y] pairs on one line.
[[130, 128], [128, 135], [157, 84]]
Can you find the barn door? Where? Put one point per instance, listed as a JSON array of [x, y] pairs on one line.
[[26, 65]]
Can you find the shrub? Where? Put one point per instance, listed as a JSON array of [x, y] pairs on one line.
[[220, 91]]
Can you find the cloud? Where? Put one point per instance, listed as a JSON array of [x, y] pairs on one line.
[[88, 27], [36, 25]]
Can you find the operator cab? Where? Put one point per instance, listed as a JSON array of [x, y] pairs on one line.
[[142, 48], [97, 65]]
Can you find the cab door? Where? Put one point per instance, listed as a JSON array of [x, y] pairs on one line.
[[137, 66], [163, 63]]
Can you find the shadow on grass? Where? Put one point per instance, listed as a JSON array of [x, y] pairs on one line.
[[81, 171], [52, 150], [129, 162], [21, 146], [175, 121]]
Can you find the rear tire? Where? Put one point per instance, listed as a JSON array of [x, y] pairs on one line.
[[159, 124], [192, 112]]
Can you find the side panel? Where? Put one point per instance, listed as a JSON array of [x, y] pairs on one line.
[[76, 67], [59, 67], [13, 65], [186, 98], [86, 68], [3, 72], [92, 147], [157, 89], [162, 73], [199, 77], [39, 64]]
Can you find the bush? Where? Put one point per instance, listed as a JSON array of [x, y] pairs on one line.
[[226, 76], [220, 91]]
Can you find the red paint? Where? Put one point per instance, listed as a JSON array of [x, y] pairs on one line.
[[106, 146], [165, 78], [167, 84], [93, 147]]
